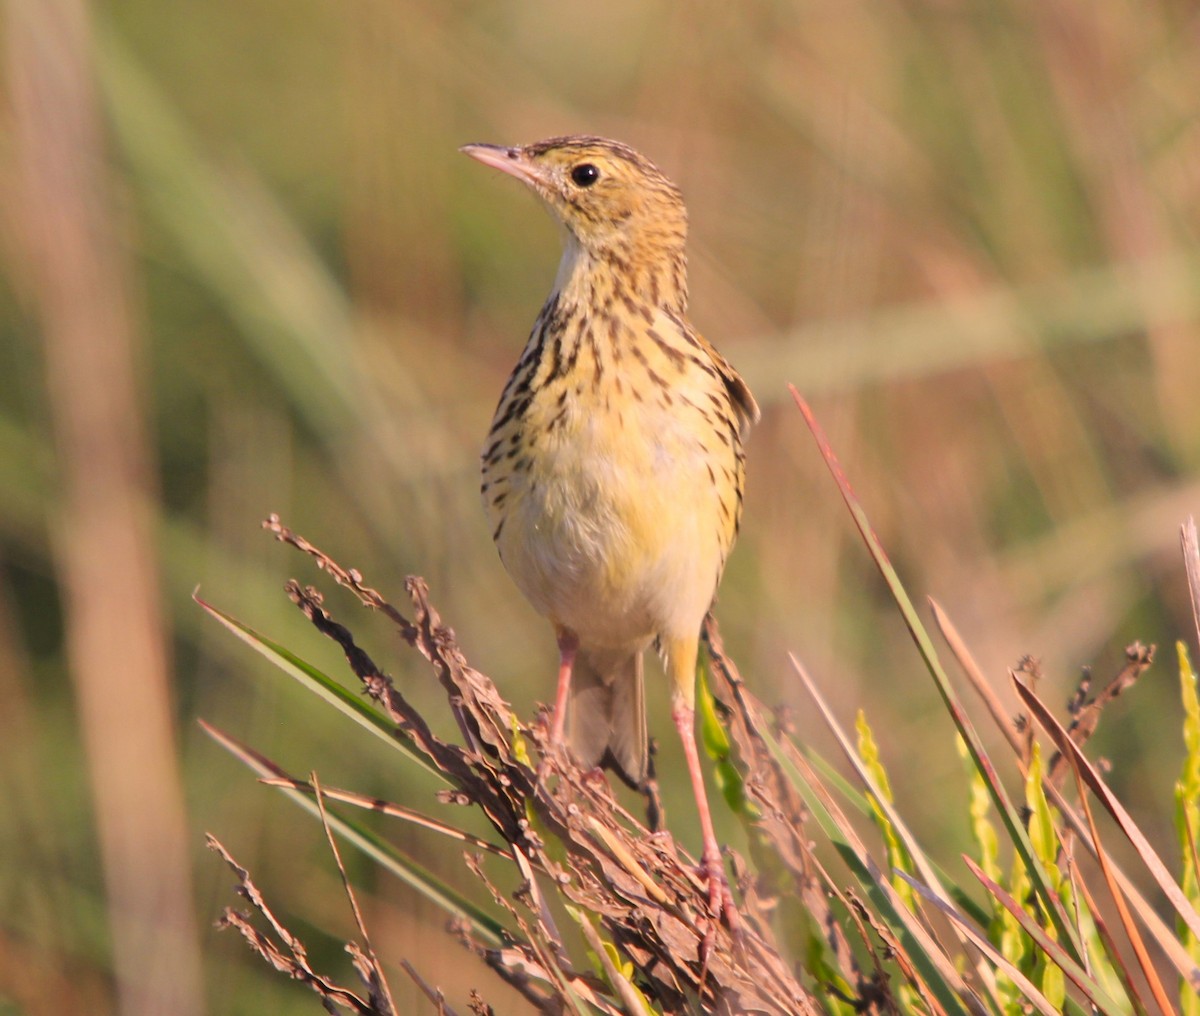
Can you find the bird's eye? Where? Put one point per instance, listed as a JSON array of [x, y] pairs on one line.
[[585, 174]]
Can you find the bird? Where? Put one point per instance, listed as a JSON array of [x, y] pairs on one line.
[[613, 472]]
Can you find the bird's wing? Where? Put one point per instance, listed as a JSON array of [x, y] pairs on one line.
[[747, 410]]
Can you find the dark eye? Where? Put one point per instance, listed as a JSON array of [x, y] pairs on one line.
[[585, 174]]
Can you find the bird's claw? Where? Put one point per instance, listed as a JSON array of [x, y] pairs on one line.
[[720, 905]]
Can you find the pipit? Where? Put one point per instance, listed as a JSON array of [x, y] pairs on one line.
[[613, 472]]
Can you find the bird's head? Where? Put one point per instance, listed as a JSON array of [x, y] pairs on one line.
[[610, 198]]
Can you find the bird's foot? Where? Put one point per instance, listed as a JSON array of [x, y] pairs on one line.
[[595, 775], [720, 903]]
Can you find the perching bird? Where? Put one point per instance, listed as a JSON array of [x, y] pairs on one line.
[[613, 472]]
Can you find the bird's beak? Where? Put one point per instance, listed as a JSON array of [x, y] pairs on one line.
[[512, 161]]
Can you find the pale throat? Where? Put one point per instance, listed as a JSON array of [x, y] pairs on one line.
[[587, 279]]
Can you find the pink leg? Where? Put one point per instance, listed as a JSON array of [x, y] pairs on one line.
[[720, 900], [568, 646]]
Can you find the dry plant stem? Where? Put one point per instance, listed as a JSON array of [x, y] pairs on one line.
[[666, 943], [452, 761], [1086, 714], [1154, 864], [539, 905], [388, 808], [617, 849], [625, 991], [352, 580], [535, 954], [1138, 659], [293, 961], [783, 814], [433, 994], [368, 963], [782, 806]]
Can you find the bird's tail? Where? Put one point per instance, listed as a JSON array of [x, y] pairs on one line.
[[607, 719]]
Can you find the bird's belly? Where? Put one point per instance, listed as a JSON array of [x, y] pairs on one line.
[[613, 529]]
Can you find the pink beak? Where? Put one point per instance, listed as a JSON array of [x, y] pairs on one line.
[[512, 161]]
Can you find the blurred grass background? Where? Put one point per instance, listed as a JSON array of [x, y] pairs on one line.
[[249, 272]]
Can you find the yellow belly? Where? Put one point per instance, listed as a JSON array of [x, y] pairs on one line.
[[615, 530]]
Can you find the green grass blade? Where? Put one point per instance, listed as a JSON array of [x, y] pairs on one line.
[[855, 798], [324, 686]]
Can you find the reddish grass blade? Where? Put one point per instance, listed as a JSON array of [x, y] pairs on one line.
[[1053, 950], [382, 852], [1110, 945], [969, 932], [1118, 898], [1124, 821], [1012, 821], [1149, 917]]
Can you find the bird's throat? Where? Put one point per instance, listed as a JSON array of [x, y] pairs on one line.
[[623, 273]]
